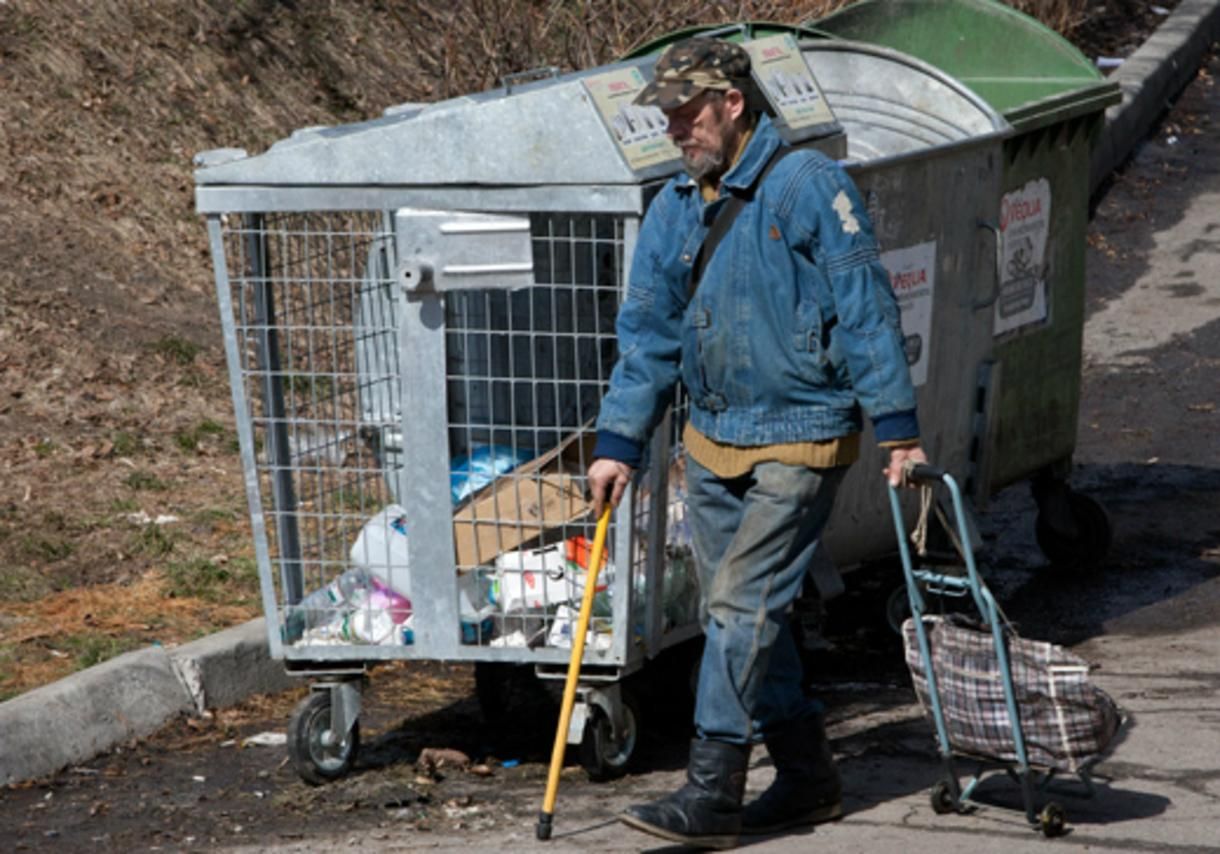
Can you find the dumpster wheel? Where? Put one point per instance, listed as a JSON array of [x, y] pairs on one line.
[[601, 755], [318, 756], [1082, 539]]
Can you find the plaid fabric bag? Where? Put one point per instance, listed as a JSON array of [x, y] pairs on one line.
[[1065, 719]]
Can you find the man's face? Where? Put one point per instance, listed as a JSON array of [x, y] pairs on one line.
[[703, 129]]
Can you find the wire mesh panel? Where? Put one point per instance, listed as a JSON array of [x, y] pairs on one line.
[[295, 283], [525, 373], [318, 318], [538, 394]]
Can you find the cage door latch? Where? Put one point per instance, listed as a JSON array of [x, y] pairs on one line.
[[459, 250]]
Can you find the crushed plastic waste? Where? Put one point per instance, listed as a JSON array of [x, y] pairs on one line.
[[564, 626], [524, 598]]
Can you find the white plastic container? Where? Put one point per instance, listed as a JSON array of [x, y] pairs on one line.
[[541, 579], [531, 580], [564, 626], [381, 549]]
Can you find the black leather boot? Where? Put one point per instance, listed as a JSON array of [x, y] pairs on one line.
[[706, 812], [807, 789]]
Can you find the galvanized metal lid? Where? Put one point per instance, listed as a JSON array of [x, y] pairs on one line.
[[891, 104]]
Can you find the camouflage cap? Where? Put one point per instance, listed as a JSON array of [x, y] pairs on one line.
[[688, 67]]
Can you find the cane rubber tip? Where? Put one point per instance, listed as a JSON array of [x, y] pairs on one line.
[[543, 829]]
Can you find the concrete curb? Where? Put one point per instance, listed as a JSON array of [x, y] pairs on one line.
[[84, 714], [225, 668], [133, 695], [1150, 78]]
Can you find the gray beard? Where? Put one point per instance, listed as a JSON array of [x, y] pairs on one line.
[[705, 164]]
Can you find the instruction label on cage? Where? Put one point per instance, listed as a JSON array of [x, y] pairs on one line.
[[781, 70], [639, 131], [912, 272], [1025, 218]]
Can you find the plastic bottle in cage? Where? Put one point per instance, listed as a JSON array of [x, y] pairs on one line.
[[348, 590]]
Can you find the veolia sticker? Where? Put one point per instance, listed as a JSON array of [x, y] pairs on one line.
[[912, 272], [1025, 217], [639, 131]]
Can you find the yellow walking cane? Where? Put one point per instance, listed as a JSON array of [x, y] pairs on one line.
[[543, 830]]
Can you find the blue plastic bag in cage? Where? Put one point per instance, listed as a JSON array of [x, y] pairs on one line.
[[471, 472]]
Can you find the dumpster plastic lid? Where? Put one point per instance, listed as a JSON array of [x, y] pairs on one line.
[[1022, 68], [893, 105]]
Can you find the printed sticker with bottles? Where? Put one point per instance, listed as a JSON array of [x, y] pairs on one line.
[[638, 131], [780, 68]]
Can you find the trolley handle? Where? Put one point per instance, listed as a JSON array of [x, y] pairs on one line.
[[922, 473]]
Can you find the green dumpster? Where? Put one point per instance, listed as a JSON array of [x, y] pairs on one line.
[[1029, 392]]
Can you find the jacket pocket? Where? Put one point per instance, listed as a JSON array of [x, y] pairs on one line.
[[695, 328], [807, 333]]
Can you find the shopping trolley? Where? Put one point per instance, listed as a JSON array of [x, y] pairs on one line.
[[1012, 704]]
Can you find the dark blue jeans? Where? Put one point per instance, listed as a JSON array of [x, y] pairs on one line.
[[754, 538]]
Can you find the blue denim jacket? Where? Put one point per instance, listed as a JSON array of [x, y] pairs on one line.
[[794, 325]]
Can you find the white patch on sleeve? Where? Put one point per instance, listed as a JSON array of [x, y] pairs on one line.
[[842, 206]]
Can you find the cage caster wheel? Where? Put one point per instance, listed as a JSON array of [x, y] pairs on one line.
[[1052, 820], [943, 801], [601, 755], [318, 754]]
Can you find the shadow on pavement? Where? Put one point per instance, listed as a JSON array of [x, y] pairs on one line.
[[1161, 573]]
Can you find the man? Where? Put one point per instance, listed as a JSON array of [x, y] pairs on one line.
[[790, 330]]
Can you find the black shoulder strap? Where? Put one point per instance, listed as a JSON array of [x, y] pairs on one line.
[[724, 219]]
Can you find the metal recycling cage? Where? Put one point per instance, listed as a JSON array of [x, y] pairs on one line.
[[418, 316], [1055, 98]]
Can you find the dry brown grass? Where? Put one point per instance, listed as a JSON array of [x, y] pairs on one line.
[[53, 636]]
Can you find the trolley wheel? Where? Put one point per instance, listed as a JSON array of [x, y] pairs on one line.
[[603, 757], [1084, 541], [1052, 820], [317, 757], [942, 798]]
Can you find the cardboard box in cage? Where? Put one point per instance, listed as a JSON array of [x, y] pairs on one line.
[[524, 503]]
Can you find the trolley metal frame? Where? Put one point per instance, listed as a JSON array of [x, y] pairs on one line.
[[950, 794]]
